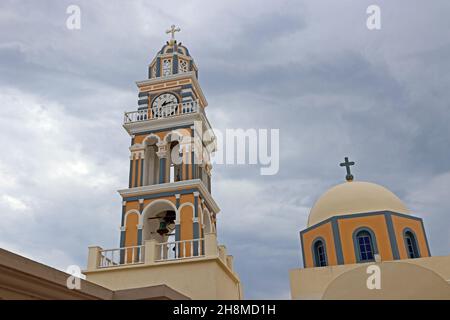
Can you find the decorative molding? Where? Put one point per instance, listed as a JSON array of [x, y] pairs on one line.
[[172, 188], [178, 76]]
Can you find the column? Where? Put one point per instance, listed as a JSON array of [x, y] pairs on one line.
[[196, 225], [163, 155]]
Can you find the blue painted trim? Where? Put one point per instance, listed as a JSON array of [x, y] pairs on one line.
[[131, 175], [426, 238], [177, 204], [196, 206], [358, 215], [356, 245], [162, 170], [186, 166], [143, 102], [177, 232], [139, 239], [122, 245], [195, 225], [163, 130], [136, 171], [158, 67], [141, 176], [178, 237], [315, 262], [175, 64], [187, 94], [186, 86], [337, 241], [161, 194], [122, 221], [303, 250], [192, 156], [392, 238], [405, 230]]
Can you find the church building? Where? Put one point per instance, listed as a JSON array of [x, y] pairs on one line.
[[168, 220], [355, 226]]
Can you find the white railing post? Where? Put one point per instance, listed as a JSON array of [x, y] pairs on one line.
[[211, 244], [167, 111], [93, 258], [150, 251]]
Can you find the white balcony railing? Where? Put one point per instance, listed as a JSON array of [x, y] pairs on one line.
[[121, 256], [153, 252], [153, 113], [180, 249]]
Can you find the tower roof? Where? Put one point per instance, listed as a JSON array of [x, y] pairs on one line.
[[174, 46], [173, 58], [354, 197]]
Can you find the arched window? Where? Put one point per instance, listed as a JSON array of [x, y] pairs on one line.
[[411, 244], [320, 254], [175, 162], [365, 249]]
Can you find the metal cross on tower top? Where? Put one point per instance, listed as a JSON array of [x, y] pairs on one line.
[[347, 164], [172, 30]]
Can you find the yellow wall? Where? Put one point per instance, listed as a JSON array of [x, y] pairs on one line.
[[186, 228], [325, 231], [131, 229], [400, 223], [207, 278], [376, 223]]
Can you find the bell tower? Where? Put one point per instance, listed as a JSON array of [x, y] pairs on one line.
[[168, 220], [169, 193]]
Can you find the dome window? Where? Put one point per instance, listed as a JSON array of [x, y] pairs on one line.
[[319, 252], [364, 246], [411, 245], [167, 67], [184, 66]]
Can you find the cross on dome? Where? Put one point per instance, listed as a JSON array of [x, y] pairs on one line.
[[172, 30], [347, 164]]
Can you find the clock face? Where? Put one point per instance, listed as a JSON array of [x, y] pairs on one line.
[[167, 67], [165, 104]]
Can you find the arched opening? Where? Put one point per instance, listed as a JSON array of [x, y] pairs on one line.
[[411, 245], [319, 252], [175, 157], [158, 222], [206, 220], [365, 249], [131, 253], [151, 161]]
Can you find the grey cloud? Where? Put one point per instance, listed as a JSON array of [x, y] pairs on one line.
[[309, 68]]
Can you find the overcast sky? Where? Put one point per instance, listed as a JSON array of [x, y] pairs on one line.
[[309, 68]]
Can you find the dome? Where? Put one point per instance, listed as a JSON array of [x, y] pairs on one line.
[[172, 46], [354, 197], [400, 280], [173, 58]]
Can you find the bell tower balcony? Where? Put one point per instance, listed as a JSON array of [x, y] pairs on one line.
[[168, 111], [175, 264]]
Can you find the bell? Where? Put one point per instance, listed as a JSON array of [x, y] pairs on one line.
[[162, 228]]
